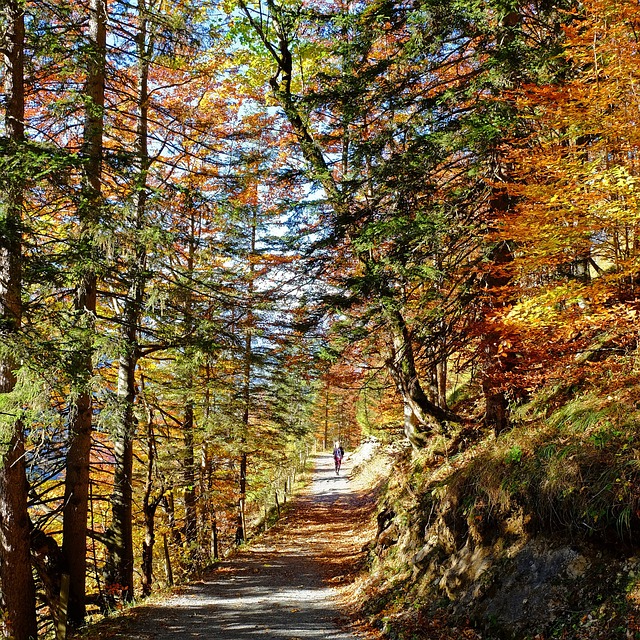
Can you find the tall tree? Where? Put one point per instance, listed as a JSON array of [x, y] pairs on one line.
[[247, 372], [81, 414], [17, 590], [369, 203], [188, 418], [120, 562]]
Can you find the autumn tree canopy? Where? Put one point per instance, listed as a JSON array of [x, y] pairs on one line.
[[232, 232]]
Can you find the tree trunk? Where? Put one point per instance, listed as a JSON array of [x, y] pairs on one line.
[[188, 457], [119, 565], [167, 560], [80, 418], [241, 536], [149, 512], [496, 362], [441, 377], [120, 561], [189, 478], [325, 437], [209, 528], [203, 515], [169, 508], [214, 535], [206, 515], [421, 416], [17, 589], [241, 531], [149, 504]]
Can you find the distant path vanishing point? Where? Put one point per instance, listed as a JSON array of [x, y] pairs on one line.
[[278, 588]]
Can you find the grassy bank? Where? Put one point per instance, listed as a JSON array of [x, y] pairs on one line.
[[531, 534]]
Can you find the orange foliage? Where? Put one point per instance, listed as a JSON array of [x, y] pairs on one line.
[[576, 227]]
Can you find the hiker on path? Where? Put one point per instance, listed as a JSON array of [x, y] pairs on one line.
[[338, 454]]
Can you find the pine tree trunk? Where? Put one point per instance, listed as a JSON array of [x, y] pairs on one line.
[[119, 566], [205, 506], [441, 376], [188, 457], [80, 420], [325, 436], [189, 477], [241, 532], [120, 562], [16, 579], [149, 502], [241, 535], [17, 590], [206, 515], [214, 535]]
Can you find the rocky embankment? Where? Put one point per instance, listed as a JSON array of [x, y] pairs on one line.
[[446, 563]]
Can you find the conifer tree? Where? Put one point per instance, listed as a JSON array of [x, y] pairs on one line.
[[17, 590], [81, 410]]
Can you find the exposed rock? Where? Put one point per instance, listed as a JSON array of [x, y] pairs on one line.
[[388, 537], [385, 518], [432, 546], [577, 567], [464, 568], [480, 558], [524, 590]]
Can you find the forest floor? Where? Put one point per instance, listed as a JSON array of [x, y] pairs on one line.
[[285, 585]]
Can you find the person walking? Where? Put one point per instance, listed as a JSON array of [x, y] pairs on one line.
[[338, 454]]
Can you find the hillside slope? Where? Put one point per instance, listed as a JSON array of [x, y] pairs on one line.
[[532, 534]]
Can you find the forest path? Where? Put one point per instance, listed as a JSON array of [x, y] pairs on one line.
[[280, 587]]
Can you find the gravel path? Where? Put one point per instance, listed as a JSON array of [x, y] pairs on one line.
[[279, 588]]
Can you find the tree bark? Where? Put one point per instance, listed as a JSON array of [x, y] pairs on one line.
[[441, 377], [150, 503], [499, 256], [17, 589], [496, 363], [120, 563], [421, 416], [214, 535], [149, 507], [17, 596], [168, 504], [149, 512], [246, 392], [75, 511], [189, 477], [207, 537], [188, 470], [119, 566]]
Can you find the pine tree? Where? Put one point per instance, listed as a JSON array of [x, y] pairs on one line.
[[17, 590]]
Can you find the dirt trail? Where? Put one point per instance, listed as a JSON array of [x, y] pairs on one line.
[[280, 588]]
